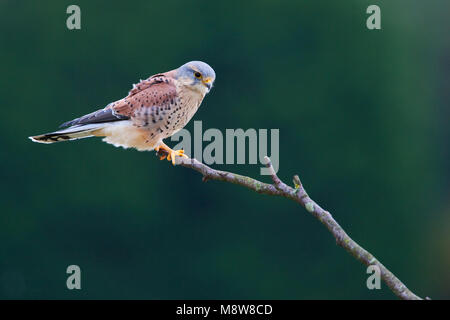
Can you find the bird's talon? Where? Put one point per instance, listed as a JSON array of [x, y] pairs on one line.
[[165, 152], [179, 153]]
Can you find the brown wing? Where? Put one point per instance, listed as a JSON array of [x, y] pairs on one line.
[[145, 101], [144, 84], [148, 101]]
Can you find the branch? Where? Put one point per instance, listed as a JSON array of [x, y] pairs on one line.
[[299, 195]]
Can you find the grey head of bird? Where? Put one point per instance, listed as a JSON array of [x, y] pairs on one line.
[[197, 75]]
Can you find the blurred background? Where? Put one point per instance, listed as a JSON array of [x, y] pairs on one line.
[[363, 118]]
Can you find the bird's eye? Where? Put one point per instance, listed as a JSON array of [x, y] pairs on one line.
[[198, 75]]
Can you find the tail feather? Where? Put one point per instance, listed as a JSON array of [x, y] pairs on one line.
[[72, 133]]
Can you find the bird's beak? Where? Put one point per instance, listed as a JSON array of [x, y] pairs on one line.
[[208, 82]]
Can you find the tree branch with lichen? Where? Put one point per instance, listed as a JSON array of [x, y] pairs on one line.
[[299, 195]]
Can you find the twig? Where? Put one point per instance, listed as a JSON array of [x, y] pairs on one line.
[[299, 195]]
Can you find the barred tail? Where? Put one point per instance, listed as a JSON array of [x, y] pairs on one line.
[[72, 133]]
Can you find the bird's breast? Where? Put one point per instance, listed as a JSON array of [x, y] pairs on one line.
[[162, 121], [189, 101]]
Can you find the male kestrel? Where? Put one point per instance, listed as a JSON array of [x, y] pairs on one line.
[[153, 110]]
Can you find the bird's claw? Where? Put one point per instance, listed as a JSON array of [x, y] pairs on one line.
[[173, 153], [165, 152]]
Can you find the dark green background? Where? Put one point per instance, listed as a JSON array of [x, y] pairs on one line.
[[363, 118]]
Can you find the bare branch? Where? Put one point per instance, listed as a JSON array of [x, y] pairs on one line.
[[299, 195]]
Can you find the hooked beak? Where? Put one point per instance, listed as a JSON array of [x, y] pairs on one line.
[[208, 83]]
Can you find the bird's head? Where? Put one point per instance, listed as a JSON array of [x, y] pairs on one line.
[[197, 75]]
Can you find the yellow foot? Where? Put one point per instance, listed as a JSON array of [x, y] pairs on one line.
[[164, 151]]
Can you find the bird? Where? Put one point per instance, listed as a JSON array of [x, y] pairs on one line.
[[153, 110]]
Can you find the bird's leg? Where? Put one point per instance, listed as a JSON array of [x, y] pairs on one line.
[[165, 151]]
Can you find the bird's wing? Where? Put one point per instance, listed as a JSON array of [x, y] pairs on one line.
[[149, 99], [144, 84], [157, 92]]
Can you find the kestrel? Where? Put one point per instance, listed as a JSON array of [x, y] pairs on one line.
[[155, 109]]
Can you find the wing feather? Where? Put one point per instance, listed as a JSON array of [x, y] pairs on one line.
[[99, 116], [152, 95]]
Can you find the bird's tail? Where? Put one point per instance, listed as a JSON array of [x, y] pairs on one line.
[[71, 133]]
